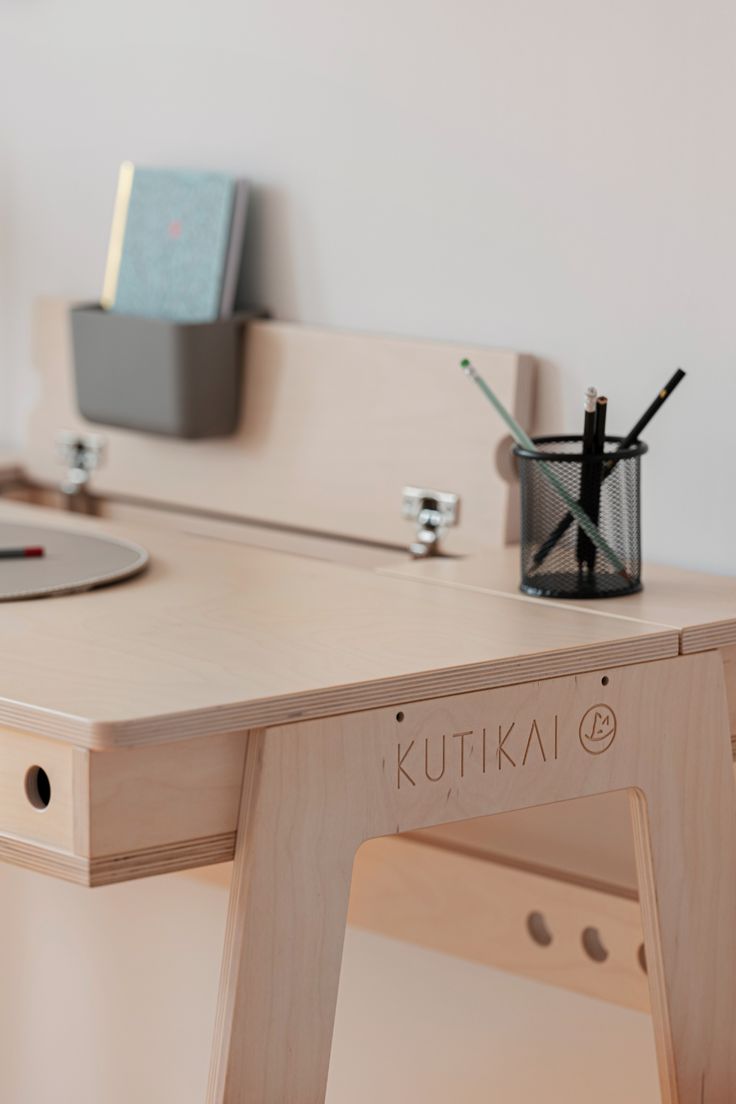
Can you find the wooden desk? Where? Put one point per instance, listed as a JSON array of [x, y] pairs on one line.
[[699, 606], [584, 842], [294, 709], [218, 636]]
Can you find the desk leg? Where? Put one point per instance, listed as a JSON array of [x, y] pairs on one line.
[[315, 790], [285, 932], [685, 840]]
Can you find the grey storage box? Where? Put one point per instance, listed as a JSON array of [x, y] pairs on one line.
[[148, 374]]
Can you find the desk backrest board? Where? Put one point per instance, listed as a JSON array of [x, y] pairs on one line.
[[333, 426]]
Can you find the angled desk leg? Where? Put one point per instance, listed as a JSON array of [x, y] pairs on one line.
[[314, 791], [285, 929]]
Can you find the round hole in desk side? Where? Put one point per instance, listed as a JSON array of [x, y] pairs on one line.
[[536, 925], [593, 945], [38, 788]]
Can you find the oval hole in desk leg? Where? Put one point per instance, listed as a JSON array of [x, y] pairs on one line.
[[399, 716], [536, 925], [593, 945], [38, 788]]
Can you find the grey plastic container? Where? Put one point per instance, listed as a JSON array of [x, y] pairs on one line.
[[148, 374]]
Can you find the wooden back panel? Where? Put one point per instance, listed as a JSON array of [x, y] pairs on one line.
[[333, 426]]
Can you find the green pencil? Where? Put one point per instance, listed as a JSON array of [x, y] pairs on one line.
[[524, 440]]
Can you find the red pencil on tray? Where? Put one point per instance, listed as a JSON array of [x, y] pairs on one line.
[[29, 551]]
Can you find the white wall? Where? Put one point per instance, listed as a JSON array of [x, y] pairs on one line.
[[558, 177]]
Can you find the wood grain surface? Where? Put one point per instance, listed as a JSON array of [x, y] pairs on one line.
[[333, 426], [217, 637], [314, 792], [701, 606]]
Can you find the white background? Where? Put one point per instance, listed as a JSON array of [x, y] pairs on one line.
[[558, 176]]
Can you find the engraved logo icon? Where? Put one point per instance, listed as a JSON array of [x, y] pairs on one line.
[[598, 729]]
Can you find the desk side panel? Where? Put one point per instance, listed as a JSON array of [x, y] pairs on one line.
[[164, 807], [37, 789]]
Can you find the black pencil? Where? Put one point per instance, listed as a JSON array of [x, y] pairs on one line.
[[584, 544], [597, 473], [635, 433], [627, 442]]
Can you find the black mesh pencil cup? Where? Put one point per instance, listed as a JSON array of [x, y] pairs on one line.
[[560, 556]]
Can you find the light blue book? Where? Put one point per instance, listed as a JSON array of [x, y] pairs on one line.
[[170, 243]]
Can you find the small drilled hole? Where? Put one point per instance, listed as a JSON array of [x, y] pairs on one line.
[[536, 925], [605, 680], [642, 956], [38, 787], [593, 945], [399, 716]]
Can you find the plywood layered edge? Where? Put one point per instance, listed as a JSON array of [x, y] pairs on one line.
[[335, 701], [705, 638], [113, 869]]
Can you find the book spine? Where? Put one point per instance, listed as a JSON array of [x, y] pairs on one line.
[[117, 234], [235, 249]]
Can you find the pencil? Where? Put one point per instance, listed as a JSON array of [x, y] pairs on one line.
[[586, 471], [524, 440], [21, 553], [628, 441], [599, 448], [634, 434]]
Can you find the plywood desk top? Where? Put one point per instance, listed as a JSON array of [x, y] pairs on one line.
[[217, 637], [701, 607]]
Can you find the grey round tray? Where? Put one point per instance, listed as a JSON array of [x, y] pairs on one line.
[[73, 562]]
